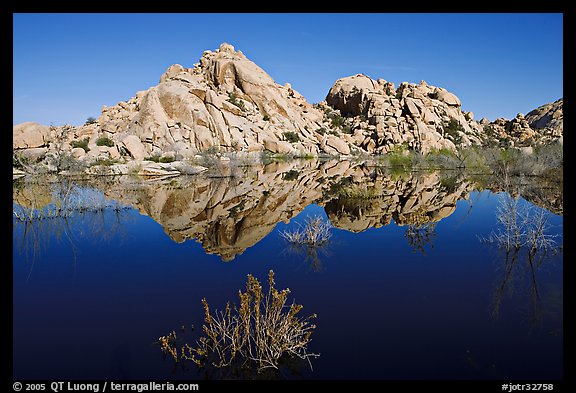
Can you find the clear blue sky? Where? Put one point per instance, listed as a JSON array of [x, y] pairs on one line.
[[66, 66]]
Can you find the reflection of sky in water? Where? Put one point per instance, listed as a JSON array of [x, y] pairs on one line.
[[385, 310]]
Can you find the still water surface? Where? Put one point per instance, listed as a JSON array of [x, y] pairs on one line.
[[405, 289]]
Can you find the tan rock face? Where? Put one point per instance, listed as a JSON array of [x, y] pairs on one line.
[[416, 115], [227, 103], [134, 147], [548, 117], [543, 125], [30, 135], [223, 103]]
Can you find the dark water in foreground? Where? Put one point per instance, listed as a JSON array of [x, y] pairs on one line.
[[404, 290]]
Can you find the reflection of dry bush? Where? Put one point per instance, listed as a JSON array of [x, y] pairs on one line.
[[255, 335], [315, 232], [523, 236], [418, 236], [521, 226]]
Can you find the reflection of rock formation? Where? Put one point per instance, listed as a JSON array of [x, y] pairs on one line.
[[32, 195], [230, 214], [544, 191], [415, 199]]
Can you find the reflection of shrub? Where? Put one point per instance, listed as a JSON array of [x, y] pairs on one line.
[[83, 143], [418, 236], [257, 334], [292, 174], [291, 136], [315, 232], [521, 226], [104, 141], [449, 184]]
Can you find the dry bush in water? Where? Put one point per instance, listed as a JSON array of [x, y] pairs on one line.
[[255, 335], [315, 232]]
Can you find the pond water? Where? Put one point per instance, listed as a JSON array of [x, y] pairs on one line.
[[409, 285]]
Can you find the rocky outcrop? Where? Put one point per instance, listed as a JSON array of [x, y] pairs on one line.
[[548, 117], [543, 125], [226, 103], [420, 116], [30, 135], [379, 117]]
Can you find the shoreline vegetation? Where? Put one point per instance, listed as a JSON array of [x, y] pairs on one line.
[[537, 161]]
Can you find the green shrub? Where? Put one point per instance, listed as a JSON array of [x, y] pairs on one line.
[[105, 161], [212, 150], [83, 143], [90, 120], [291, 136], [336, 120], [19, 160], [233, 99], [157, 158], [347, 129], [167, 159], [451, 128], [400, 157], [266, 118], [104, 141], [400, 161]]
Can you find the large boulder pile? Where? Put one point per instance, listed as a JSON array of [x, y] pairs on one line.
[[543, 125], [420, 116], [225, 103], [549, 117]]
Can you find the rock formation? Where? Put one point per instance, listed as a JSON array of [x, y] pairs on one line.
[[224, 103], [420, 116], [227, 104], [548, 117]]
